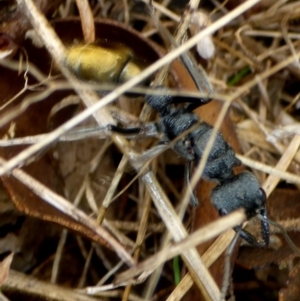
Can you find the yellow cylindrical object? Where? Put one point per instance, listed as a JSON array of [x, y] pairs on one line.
[[99, 64]]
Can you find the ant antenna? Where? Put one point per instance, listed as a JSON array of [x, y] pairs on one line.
[[227, 267], [286, 236]]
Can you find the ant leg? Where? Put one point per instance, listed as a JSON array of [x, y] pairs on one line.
[[161, 103], [148, 130], [245, 234], [193, 103], [191, 107], [124, 131], [250, 238], [193, 199], [265, 233]]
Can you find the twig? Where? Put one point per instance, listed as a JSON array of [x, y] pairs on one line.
[[32, 286], [87, 21]]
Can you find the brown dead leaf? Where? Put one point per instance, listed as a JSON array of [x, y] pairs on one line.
[[252, 258], [284, 204], [14, 24], [292, 292]]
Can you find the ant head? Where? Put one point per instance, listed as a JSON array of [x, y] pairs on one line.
[[240, 191]]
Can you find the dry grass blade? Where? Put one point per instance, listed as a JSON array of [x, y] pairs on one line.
[[199, 236], [209, 257], [191, 257], [282, 164], [4, 267], [87, 20], [112, 189], [274, 171], [34, 287], [140, 236]]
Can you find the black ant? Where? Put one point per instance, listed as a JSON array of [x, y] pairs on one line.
[[233, 191]]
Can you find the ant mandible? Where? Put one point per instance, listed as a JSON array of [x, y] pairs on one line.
[[233, 191]]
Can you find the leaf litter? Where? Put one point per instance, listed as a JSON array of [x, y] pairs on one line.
[[254, 67]]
